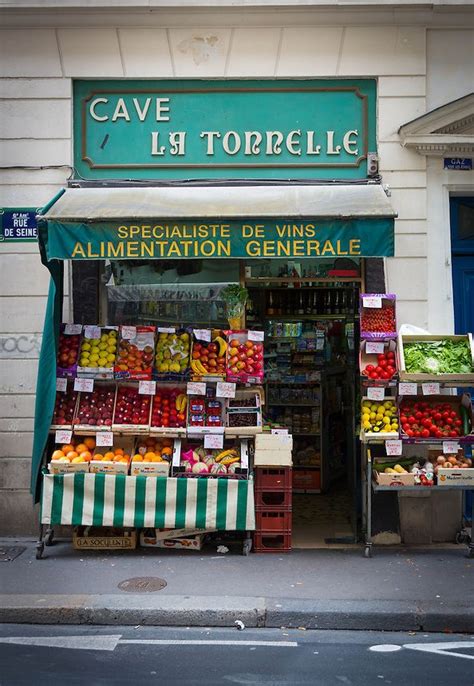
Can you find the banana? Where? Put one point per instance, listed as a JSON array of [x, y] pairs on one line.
[[229, 460], [231, 453], [222, 345], [184, 403], [202, 369], [197, 368], [181, 402]]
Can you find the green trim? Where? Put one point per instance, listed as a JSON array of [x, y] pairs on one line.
[[119, 499]]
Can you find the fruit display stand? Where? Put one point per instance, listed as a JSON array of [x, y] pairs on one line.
[[431, 440]]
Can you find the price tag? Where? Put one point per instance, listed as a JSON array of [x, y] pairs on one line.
[[407, 388], [128, 332], [430, 388], [63, 436], [104, 438], [376, 393], [147, 387], [84, 385], [92, 332], [255, 335], [393, 447], [61, 385], [372, 347], [196, 388], [166, 329], [203, 335], [282, 432], [450, 447], [72, 329], [224, 389], [214, 441], [372, 301], [319, 343]]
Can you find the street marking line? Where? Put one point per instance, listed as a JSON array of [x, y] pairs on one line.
[[97, 642], [385, 648], [197, 642], [442, 648]]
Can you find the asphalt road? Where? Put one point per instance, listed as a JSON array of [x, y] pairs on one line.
[[99, 656]]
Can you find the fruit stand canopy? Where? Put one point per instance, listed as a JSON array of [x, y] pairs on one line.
[[286, 221]]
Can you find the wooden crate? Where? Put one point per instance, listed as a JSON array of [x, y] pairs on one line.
[[420, 338], [100, 538]]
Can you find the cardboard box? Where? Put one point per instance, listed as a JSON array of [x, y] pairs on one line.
[[371, 358], [99, 372], [455, 401], [456, 477], [273, 458], [98, 538], [266, 441], [99, 467], [387, 300], [150, 468], [190, 543], [57, 467], [394, 479], [412, 376]]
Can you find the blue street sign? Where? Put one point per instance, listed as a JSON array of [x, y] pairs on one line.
[[458, 163], [18, 224]]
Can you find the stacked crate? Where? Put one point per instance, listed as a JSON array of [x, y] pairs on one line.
[[273, 493]]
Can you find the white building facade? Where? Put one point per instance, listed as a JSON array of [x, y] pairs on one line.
[[422, 57]]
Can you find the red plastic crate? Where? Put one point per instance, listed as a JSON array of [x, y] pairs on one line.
[[307, 479], [272, 478], [272, 542], [273, 500], [274, 520]]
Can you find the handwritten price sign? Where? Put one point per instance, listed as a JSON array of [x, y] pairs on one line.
[[72, 329], [166, 329], [104, 438], [255, 335], [450, 447], [393, 447], [407, 388], [214, 441], [128, 332], [224, 389], [371, 347], [84, 385], [375, 393], [374, 301], [92, 332], [61, 385], [63, 436], [147, 387], [203, 335], [196, 388], [430, 388]]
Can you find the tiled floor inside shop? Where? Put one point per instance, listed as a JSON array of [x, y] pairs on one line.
[[320, 518]]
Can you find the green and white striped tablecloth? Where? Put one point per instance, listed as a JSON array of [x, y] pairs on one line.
[[138, 501]]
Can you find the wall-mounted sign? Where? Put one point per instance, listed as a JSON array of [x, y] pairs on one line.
[[458, 163], [18, 224], [176, 239], [234, 129]]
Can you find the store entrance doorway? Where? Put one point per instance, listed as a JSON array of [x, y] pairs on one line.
[[310, 317]]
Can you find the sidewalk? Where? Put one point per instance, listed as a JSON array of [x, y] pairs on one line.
[[398, 589]]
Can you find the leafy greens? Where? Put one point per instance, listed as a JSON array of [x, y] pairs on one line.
[[438, 357]]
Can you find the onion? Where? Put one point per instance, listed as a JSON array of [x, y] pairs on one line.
[[440, 459]]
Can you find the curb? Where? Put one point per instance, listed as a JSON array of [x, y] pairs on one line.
[[219, 611]]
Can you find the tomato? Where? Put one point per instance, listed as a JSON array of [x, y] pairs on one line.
[[370, 368], [383, 364], [410, 433], [419, 415], [411, 420], [449, 420], [457, 422], [438, 416], [425, 433]]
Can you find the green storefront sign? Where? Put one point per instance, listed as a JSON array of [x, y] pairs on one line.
[[303, 129], [177, 239]]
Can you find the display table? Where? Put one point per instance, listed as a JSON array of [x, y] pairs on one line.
[[140, 501]]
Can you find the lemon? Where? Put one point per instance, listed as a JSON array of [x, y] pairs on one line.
[[86, 346], [94, 357], [386, 420], [113, 333], [111, 347], [102, 362], [110, 358], [85, 353], [84, 362]]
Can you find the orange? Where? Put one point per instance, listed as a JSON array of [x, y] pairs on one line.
[[71, 455], [149, 457], [57, 455], [167, 451], [86, 455], [137, 458], [82, 447], [109, 455], [77, 459], [118, 451], [90, 442], [126, 456], [67, 448]]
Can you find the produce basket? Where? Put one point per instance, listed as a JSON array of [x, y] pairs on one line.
[[442, 411], [72, 457], [132, 410], [113, 459], [378, 321], [172, 354], [380, 433], [208, 355], [380, 362], [153, 455], [94, 411], [445, 354], [195, 461], [135, 352], [98, 352], [244, 413], [244, 359], [169, 411], [68, 350], [64, 408]]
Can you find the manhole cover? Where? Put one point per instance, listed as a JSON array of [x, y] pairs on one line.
[[142, 584], [7, 554]]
